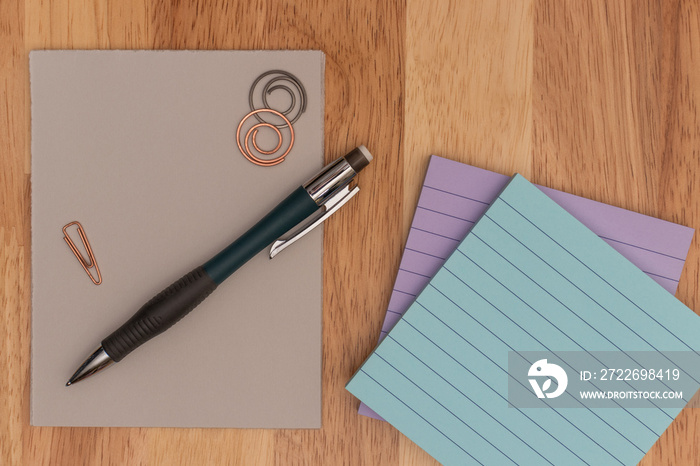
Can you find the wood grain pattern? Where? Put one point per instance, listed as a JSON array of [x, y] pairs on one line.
[[597, 98], [615, 119]]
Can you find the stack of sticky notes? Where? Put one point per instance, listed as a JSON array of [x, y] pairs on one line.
[[530, 277]]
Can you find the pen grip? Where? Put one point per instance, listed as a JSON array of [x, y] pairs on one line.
[[160, 313]]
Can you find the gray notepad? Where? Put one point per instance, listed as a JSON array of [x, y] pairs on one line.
[[140, 147]]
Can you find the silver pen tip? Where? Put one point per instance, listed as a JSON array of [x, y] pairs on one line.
[[97, 361]]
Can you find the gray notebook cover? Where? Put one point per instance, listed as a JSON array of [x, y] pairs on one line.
[[140, 147]]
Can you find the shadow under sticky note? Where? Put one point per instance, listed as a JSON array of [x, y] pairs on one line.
[[139, 146]]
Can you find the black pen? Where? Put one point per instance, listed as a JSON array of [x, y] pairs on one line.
[[304, 209]]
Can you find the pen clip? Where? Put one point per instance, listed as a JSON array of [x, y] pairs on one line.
[[334, 203]]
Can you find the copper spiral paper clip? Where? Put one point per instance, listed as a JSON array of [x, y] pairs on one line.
[[250, 136], [88, 263]]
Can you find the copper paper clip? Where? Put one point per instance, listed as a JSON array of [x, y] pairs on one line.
[[90, 262]]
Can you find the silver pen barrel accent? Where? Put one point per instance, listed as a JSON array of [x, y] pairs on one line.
[[337, 175], [330, 190]]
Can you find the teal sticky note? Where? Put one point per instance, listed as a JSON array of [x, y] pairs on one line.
[[529, 277]]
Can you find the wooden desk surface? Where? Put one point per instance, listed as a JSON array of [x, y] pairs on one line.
[[599, 99]]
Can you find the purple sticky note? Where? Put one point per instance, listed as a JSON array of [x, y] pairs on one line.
[[455, 195]]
